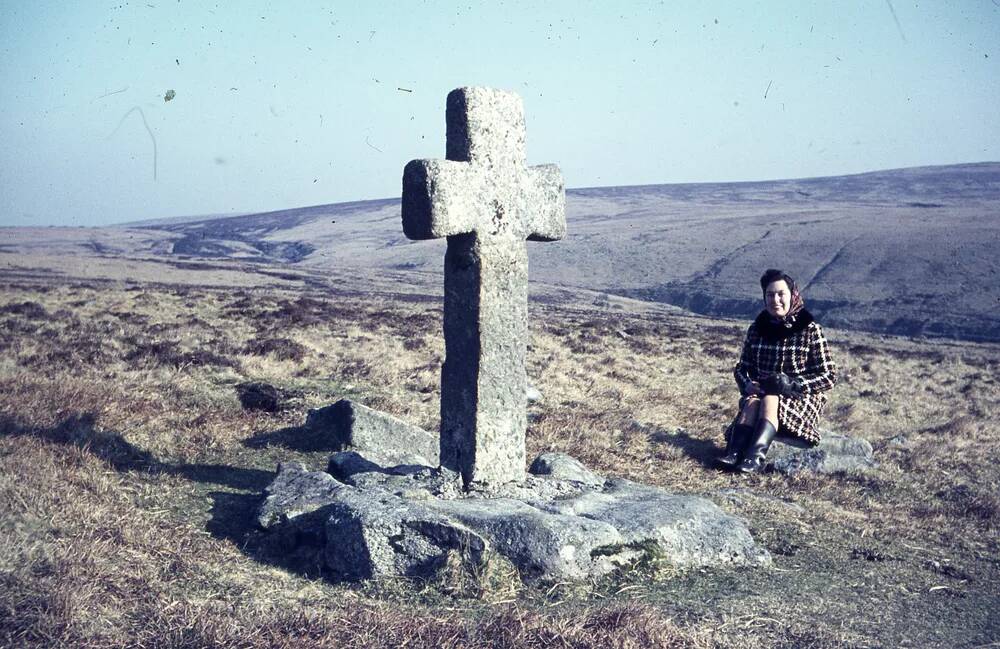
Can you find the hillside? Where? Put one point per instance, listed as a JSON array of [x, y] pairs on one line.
[[906, 251]]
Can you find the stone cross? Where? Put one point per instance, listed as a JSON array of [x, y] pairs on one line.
[[487, 202]]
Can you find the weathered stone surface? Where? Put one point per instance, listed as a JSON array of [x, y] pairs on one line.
[[534, 489], [353, 468], [371, 533], [345, 464], [833, 454], [541, 543], [532, 394], [398, 521], [487, 202], [563, 467], [683, 530], [383, 438], [294, 492]]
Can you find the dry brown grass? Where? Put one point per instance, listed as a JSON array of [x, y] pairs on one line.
[[129, 473]]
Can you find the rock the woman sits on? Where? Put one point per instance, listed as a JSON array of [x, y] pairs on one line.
[[783, 375]]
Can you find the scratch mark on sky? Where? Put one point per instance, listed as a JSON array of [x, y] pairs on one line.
[[768, 89], [148, 130], [896, 20], [108, 94]]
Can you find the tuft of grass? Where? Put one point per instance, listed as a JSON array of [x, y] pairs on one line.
[[168, 353], [28, 309], [281, 348]]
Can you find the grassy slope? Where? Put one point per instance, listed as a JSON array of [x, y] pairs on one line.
[[129, 474]]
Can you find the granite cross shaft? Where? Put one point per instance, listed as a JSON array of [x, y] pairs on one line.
[[487, 202]]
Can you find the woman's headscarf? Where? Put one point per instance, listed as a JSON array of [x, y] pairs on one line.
[[797, 303]]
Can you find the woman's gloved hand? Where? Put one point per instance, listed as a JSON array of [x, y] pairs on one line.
[[782, 385]]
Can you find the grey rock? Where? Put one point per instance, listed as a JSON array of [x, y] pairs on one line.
[[294, 492], [532, 395], [681, 530], [394, 483], [487, 202], [382, 438], [407, 480], [406, 524], [563, 467], [376, 534], [833, 454], [534, 489], [540, 543], [345, 464], [355, 469]]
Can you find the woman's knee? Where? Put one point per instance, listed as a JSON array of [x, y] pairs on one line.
[[769, 408]]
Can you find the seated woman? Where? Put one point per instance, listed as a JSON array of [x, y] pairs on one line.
[[783, 373]]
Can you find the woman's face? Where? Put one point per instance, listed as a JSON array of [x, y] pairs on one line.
[[778, 298]]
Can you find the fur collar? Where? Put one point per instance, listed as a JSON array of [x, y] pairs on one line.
[[767, 328]]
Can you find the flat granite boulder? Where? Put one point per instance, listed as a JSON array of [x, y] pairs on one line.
[[406, 521], [686, 531], [834, 454], [380, 436]]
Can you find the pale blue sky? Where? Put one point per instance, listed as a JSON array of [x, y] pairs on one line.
[[285, 104]]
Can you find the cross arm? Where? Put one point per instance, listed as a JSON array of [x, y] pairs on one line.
[[440, 198], [546, 203]]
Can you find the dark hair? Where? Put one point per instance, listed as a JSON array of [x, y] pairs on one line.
[[772, 275]]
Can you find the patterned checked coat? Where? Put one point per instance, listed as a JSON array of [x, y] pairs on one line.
[[800, 351]]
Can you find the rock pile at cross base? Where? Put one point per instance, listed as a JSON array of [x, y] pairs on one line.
[[366, 521]]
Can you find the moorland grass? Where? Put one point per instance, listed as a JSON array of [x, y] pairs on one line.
[[129, 473]]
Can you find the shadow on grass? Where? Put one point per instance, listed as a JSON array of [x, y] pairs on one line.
[[221, 474], [297, 438], [702, 450], [79, 431], [297, 548], [232, 513]]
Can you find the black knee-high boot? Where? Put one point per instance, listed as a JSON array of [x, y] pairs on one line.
[[739, 436], [753, 459]]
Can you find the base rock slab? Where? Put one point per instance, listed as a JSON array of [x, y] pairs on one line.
[[408, 523]]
